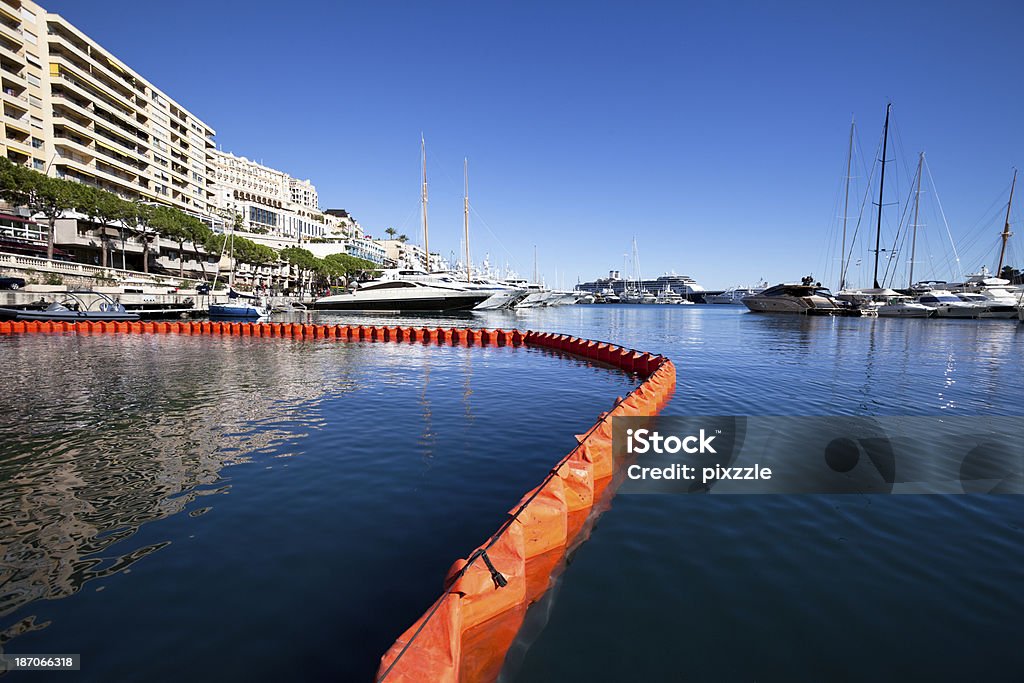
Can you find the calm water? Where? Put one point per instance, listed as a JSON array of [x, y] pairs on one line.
[[253, 508]]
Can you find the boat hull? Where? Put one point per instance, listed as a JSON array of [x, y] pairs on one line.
[[432, 303], [249, 312], [67, 316], [905, 311], [787, 304]]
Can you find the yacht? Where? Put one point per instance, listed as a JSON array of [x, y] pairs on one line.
[[735, 295], [803, 298], [669, 296], [948, 305], [901, 306], [407, 290], [988, 307]]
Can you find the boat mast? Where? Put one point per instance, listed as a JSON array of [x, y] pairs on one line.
[[426, 235], [231, 258], [1006, 227], [536, 276], [917, 205], [881, 189], [846, 205], [469, 267]]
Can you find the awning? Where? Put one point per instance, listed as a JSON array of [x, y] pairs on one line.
[[20, 219]]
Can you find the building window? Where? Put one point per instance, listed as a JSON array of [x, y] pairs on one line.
[[32, 80], [38, 164], [35, 101], [37, 122], [257, 215], [29, 37], [37, 143], [28, 15]]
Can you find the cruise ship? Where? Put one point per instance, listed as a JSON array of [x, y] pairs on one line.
[[684, 285]]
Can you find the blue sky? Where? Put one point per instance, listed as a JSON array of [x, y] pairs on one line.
[[714, 133]]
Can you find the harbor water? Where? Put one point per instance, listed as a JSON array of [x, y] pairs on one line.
[[239, 508]]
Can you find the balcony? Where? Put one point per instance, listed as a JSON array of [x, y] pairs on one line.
[[97, 62], [13, 55], [10, 77], [12, 33], [23, 148], [123, 164], [129, 150], [70, 73]]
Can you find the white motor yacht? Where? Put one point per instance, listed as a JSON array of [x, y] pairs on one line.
[[669, 296], [407, 291], [904, 307], [989, 307], [947, 305], [735, 295]]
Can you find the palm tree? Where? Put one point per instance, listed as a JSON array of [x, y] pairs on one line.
[[391, 232]]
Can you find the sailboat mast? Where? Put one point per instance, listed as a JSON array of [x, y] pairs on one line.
[[1006, 227], [469, 267], [846, 206], [536, 276], [231, 258], [426, 234], [881, 189], [917, 206]]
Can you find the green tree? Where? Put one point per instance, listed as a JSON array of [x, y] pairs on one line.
[[303, 260], [197, 232], [104, 209], [391, 232], [169, 223], [41, 194], [141, 216]]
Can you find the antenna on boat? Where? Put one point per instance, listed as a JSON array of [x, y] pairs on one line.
[[881, 189], [917, 205], [1006, 227], [469, 267], [426, 235], [846, 206]]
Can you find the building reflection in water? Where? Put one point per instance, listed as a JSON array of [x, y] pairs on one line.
[[104, 434]]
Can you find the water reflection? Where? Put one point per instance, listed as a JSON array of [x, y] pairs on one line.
[[135, 429]]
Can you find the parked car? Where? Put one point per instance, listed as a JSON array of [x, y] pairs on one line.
[[11, 283]]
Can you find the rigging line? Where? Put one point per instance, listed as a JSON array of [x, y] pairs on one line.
[[861, 159], [995, 208], [487, 227], [897, 240], [860, 216], [949, 233]]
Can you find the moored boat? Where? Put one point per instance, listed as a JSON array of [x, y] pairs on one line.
[[803, 298], [73, 309]]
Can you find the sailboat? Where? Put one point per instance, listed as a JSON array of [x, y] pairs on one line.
[[410, 289], [240, 306]]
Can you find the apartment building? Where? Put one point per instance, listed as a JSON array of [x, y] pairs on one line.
[[264, 199], [304, 194], [73, 110]]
